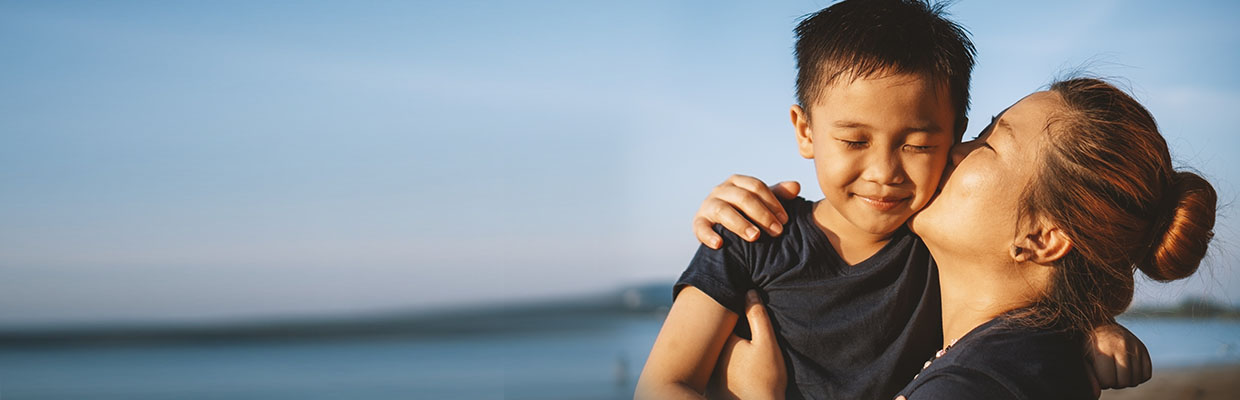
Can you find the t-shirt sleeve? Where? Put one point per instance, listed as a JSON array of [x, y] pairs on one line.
[[722, 274], [960, 383]]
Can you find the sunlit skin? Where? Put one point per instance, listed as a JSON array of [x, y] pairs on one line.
[[991, 260], [879, 146]]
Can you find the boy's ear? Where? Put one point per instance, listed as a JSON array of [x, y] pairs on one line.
[[1044, 244], [805, 137]]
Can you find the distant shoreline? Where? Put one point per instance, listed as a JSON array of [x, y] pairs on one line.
[[580, 313], [583, 313], [1204, 382]]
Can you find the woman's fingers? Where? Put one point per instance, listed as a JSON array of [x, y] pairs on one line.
[[705, 232], [786, 190], [760, 328], [756, 204], [723, 213], [745, 206], [758, 189]]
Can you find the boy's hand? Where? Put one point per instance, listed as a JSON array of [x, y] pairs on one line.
[[1118, 358], [751, 369], [746, 195]]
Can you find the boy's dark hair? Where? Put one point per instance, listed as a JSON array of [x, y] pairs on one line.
[[863, 38]]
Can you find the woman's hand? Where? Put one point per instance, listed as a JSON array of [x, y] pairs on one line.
[[1118, 358], [751, 369], [746, 195]]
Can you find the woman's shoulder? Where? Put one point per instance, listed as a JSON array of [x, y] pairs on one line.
[[1006, 356]]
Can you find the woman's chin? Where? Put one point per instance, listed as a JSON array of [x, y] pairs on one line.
[[921, 219]]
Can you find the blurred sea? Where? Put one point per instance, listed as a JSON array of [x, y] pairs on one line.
[[567, 354]]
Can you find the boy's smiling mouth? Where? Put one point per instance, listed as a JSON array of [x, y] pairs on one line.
[[882, 203]]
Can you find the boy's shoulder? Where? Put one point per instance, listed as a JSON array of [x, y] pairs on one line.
[[801, 242]]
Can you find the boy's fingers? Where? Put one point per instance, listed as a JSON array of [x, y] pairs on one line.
[[1093, 384], [1137, 369], [1123, 375], [1130, 368], [706, 235], [1147, 366], [759, 323], [1104, 370], [786, 189]]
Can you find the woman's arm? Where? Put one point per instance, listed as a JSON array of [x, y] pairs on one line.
[[754, 368], [738, 203], [688, 345]]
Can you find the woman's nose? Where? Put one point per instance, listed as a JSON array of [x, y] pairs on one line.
[[960, 151]]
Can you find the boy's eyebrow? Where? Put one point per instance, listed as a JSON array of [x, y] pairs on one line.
[[843, 123]]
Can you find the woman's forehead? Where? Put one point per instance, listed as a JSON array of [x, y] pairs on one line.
[[1030, 113]]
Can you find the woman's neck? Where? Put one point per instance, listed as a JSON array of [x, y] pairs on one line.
[[975, 291]]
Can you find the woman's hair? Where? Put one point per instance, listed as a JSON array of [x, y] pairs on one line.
[[1106, 180]]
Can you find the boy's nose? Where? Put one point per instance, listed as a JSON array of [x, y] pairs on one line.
[[884, 169]]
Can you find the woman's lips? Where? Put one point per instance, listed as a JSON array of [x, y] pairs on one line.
[[882, 203]]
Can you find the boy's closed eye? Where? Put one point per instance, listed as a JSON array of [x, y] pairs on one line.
[[854, 144], [914, 148]]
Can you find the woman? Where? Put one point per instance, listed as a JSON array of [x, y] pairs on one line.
[[1037, 233]]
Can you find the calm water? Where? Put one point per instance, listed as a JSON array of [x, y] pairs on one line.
[[596, 363]]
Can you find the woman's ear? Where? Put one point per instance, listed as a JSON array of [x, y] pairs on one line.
[[1042, 245], [805, 137]]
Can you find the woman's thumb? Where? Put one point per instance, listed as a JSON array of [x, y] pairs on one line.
[[759, 323]]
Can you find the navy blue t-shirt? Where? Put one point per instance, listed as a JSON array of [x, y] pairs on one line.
[[847, 332], [1002, 359]]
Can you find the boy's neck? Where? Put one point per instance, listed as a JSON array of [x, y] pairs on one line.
[[852, 244]]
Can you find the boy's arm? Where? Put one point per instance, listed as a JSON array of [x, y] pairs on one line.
[[1117, 357], [688, 345], [739, 200]]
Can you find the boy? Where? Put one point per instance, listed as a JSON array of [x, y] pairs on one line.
[[882, 91]]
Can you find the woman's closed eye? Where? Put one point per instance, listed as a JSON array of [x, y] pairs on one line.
[[985, 133], [988, 128]]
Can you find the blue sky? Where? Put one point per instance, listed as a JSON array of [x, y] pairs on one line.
[[218, 160]]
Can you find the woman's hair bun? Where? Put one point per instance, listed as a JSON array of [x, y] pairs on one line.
[[1188, 215]]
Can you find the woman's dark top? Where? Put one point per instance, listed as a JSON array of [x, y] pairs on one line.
[[1002, 359]]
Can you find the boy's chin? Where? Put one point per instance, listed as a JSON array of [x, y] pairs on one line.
[[885, 228]]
